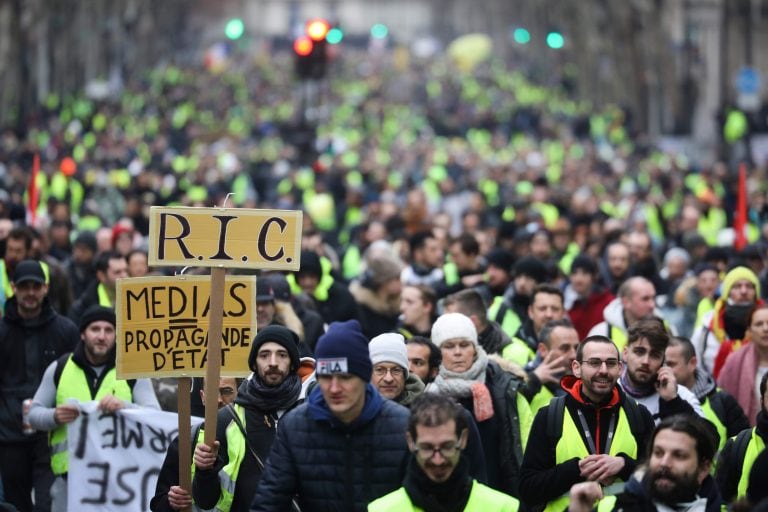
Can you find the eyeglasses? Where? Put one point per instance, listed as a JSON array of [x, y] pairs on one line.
[[595, 362], [380, 371], [427, 451]]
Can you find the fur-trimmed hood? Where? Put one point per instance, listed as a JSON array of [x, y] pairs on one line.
[[380, 305]]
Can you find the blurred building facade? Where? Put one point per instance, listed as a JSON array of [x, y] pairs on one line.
[[672, 63]]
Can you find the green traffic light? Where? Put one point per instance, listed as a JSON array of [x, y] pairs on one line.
[[234, 29], [334, 36], [521, 36], [379, 31], [555, 40]]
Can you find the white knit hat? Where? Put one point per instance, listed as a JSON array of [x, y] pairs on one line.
[[453, 326], [389, 348]]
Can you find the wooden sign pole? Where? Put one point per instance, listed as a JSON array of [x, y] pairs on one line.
[[185, 434], [213, 365]]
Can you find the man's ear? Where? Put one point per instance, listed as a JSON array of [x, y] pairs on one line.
[[411, 443], [704, 468], [576, 368], [463, 438]]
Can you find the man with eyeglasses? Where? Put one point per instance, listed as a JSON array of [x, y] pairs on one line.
[[390, 369], [438, 476], [592, 433]]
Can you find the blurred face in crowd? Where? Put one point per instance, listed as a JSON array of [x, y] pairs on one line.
[[640, 302], [437, 449], [265, 313], [138, 265], [458, 354], [412, 307], [599, 370], [227, 391], [563, 342], [307, 282], [684, 370], [462, 260], [496, 277], [524, 284], [544, 308], [29, 298], [707, 283], [758, 329], [541, 247], [418, 362], [392, 289], [15, 252], [344, 394], [431, 255], [273, 363], [643, 362], [582, 282], [98, 340], [618, 259], [117, 269], [742, 292], [82, 254], [639, 246], [675, 472], [389, 379]]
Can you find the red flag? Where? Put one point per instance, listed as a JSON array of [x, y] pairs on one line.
[[740, 219], [33, 192]]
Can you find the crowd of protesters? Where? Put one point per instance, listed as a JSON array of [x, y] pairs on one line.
[[529, 256]]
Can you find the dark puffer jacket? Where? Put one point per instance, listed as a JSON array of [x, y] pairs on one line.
[[27, 347], [332, 466]]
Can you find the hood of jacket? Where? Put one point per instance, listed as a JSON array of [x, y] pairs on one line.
[[367, 297]]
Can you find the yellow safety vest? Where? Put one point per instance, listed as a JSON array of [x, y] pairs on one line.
[[618, 336], [510, 323], [711, 415], [755, 446], [104, 299], [518, 352], [481, 499], [74, 384], [541, 399], [323, 287], [571, 445]]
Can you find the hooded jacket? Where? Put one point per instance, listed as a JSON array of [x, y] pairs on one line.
[[542, 479], [27, 347], [376, 314]]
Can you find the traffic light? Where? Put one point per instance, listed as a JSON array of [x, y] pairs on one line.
[[521, 36], [310, 50], [555, 39], [234, 29], [379, 31], [334, 36]]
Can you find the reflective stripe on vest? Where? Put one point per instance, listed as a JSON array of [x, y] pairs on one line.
[[73, 383], [711, 415], [571, 445], [481, 497], [755, 446], [236, 452]]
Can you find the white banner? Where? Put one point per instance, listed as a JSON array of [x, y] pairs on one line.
[[114, 459]]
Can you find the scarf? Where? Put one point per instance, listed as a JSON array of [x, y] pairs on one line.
[[449, 496], [254, 393], [636, 391], [704, 384], [468, 383], [738, 378]]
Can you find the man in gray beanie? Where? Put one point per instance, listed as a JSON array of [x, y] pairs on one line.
[[342, 448], [390, 369]]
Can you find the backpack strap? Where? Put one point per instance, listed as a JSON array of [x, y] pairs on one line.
[[740, 445], [718, 407], [501, 313], [555, 415], [60, 363]]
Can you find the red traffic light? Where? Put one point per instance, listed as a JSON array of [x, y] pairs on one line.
[[317, 29], [303, 46]]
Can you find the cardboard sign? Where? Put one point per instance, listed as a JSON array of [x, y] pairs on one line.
[[225, 237], [162, 326]]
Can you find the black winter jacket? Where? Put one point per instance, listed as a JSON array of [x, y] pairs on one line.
[[27, 347], [333, 466]]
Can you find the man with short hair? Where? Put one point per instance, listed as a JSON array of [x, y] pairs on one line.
[[423, 358], [345, 428], [265, 304], [391, 377], [465, 269], [719, 407], [86, 374], [594, 432], [470, 303], [418, 304], [32, 336], [438, 475], [427, 257], [546, 305], [558, 342], [677, 476], [227, 475], [635, 301], [110, 266], [645, 377], [615, 265]]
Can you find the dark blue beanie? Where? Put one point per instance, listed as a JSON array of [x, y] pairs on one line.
[[343, 349]]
